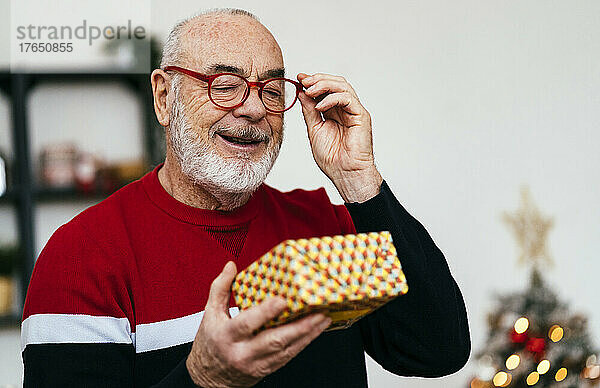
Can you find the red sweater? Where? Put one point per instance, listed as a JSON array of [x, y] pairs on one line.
[[117, 293]]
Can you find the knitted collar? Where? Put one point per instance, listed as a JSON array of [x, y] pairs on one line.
[[161, 198]]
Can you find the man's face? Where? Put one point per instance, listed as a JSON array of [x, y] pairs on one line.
[[203, 135]]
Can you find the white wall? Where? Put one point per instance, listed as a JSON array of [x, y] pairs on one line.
[[470, 100]]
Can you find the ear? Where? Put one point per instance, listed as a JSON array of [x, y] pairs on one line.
[[160, 92]]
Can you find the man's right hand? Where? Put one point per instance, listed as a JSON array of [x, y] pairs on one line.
[[226, 353]]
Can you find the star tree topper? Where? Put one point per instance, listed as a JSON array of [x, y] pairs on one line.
[[530, 229]]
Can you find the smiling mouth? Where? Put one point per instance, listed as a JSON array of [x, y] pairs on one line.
[[239, 140]]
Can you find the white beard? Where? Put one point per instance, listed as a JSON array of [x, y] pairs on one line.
[[202, 163]]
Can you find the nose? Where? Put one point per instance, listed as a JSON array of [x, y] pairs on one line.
[[253, 108]]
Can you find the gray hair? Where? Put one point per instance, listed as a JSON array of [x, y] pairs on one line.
[[172, 52]]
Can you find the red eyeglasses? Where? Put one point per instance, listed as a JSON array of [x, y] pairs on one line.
[[229, 90]]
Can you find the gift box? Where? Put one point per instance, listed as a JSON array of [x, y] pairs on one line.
[[345, 277]]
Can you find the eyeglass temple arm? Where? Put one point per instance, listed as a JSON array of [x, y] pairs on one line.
[[191, 73]]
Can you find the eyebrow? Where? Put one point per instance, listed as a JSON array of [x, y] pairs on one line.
[[223, 68], [273, 73]]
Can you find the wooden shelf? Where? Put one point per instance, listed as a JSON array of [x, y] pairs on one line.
[[66, 194], [50, 194]]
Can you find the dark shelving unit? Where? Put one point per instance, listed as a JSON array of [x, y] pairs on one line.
[[22, 193], [54, 194]]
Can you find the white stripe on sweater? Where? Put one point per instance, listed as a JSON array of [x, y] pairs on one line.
[[172, 332], [74, 328], [82, 328]]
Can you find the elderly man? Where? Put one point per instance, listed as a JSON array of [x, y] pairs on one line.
[[136, 290]]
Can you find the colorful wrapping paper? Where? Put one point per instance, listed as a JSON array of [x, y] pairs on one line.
[[345, 277]]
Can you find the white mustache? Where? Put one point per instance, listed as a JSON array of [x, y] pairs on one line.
[[248, 132]]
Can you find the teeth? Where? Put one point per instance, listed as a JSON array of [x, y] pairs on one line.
[[238, 139]]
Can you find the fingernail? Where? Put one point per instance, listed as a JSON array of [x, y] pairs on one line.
[[325, 323], [280, 304], [318, 319]]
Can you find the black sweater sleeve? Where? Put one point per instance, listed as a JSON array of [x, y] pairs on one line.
[[179, 377], [425, 332], [91, 365]]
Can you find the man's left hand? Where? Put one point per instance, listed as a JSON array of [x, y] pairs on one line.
[[340, 135]]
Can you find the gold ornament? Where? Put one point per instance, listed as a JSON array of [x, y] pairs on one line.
[[530, 229]]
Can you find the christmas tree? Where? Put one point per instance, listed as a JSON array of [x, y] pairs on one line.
[[533, 338]]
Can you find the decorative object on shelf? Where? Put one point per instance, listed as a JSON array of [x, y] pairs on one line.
[[85, 170], [128, 54], [128, 171], [3, 175], [534, 340], [114, 175], [63, 166], [58, 165], [9, 256]]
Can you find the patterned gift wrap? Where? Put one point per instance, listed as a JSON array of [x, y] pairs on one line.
[[345, 277]]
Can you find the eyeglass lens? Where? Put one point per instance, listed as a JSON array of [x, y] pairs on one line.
[[228, 91]]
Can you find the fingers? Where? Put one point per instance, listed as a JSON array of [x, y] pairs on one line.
[[276, 347], [218, 298], [312, 117], [309, 80], [344, 100], [329, 86], [246, 322], [321, 80], [332, 91], [302, 76], [291, 338]]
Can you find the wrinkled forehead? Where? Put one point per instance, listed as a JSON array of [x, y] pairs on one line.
[[230, 40]]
